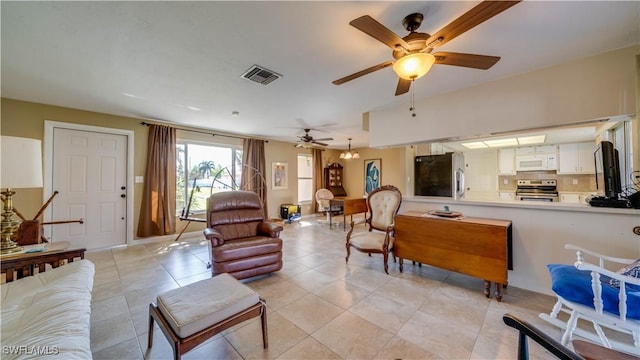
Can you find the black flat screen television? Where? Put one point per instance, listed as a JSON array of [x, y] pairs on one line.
[[607, 170]]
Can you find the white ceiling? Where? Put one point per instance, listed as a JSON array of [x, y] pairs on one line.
[[181, 62]]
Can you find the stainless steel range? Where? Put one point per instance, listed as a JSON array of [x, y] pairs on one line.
[[537, 190]]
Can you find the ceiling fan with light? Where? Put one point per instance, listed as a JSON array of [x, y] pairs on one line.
[[307, 141], [413, 53]]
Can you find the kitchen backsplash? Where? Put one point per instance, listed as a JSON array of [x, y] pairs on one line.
[[585, 182]]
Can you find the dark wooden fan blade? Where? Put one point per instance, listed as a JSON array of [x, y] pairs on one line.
[[483, 62], [323, 139], [472, 18], [362, 73], [319, 143], [403, 86], [373, 28]]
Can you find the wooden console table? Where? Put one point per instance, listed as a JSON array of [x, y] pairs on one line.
[[19, 265], [473, 246], [349, 206]]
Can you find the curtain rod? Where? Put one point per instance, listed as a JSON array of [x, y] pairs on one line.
[[201, 132]]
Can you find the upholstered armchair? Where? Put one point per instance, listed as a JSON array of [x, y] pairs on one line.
[[383, 204], [241, 242]]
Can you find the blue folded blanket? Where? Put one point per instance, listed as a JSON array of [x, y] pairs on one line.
[[575, 285]]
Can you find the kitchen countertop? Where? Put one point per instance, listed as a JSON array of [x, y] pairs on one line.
[[559, 206]]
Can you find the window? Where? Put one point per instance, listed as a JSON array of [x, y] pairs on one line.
[[202, 169], [305, 177]]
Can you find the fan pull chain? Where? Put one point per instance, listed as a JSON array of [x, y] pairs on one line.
[[412, 107]]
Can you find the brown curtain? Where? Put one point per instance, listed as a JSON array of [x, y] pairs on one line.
[[316, 156], [158, 209], [253, 170]]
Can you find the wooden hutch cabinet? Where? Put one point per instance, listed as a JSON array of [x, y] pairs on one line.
[[333, 179]]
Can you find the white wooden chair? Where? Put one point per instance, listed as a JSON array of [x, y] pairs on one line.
[[585, 292], [323, 198]]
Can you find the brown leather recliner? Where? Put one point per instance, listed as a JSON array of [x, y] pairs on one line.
[[242, 243]]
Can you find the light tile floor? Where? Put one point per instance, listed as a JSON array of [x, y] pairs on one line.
[[318, 306]]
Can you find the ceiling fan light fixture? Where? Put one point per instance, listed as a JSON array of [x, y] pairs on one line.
[[413, 66]]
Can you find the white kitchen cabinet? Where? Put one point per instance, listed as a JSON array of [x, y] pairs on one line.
[[570, 198], [507, 161], [525, 150], [576, 158], [546, 149], [507, 196]]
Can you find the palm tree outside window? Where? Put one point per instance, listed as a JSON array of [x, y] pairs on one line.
[[203, 169]]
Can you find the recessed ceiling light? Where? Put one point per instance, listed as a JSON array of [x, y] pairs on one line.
[[475, 145], [528, 140], [129, 95], [502, 142], [193, 108]]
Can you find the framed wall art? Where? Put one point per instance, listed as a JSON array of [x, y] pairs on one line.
[[372, 173], [279, 173]]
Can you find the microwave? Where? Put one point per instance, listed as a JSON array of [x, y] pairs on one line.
[[536, 162]]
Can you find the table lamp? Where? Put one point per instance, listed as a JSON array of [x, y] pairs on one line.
[[20, 167]]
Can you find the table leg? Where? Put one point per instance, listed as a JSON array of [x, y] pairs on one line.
[[487, 288], [330, 216], [344, 221], [400, 262], [499, 292]]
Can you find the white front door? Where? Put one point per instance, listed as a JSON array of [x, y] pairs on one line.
[[89, 170]]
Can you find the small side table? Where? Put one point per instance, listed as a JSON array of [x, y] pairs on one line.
[[21, 264]]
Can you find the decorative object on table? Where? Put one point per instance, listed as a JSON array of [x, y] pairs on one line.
[[279, 174], [21, 168], [444, 213], [372, 168], [29, 232]]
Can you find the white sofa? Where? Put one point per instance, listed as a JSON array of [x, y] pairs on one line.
[[48, 314]]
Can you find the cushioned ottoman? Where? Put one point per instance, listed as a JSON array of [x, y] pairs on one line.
[[192, 314]]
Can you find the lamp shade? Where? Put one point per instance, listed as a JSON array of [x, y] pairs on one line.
[[21, 165], [413, 66]]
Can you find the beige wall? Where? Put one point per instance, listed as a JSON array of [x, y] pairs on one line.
[[596, 87], [392, 169], [26, 119]]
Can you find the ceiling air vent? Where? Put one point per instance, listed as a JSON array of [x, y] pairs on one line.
[[260, 75]]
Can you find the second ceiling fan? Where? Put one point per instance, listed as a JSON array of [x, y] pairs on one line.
[[412, 53], [306, 140]]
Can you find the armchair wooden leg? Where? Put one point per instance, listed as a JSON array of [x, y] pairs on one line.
[[386, 265]]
